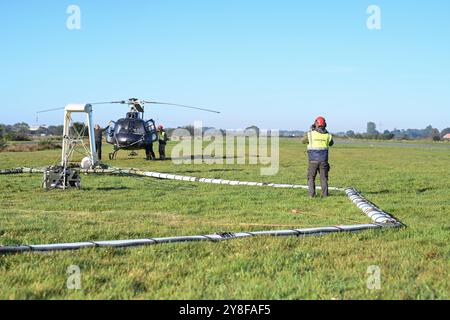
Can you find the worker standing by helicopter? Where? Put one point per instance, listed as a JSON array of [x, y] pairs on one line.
[[132, 132], [319, 142], [98, 133], [162, 139], [149, 153]]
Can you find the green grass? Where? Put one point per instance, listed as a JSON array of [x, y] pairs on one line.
[[411, 183]]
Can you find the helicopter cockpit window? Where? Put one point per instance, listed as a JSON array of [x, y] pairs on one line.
[[137, 127], [133, 127], [150, 126], [111, 129], [122, 127]]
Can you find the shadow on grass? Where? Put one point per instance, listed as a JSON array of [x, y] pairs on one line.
[[111, 188], [211, 170], [423, 190], [204, 157], [385, 191]]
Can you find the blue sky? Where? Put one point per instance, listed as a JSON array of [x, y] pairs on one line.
[[276, 64]]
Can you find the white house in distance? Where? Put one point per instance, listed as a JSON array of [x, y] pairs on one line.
[[35, 129], [447, 137]]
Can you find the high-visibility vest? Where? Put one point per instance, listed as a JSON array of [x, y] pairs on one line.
[[162, 136], [318, 146], [319, 141]]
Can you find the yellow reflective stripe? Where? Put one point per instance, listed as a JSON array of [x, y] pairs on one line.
[[319, 140]]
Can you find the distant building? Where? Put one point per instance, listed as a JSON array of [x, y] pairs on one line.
[[447, 137], [291, 133], [35, 129]]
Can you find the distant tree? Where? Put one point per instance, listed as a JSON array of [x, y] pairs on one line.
[[350, 134], [396, 133], [2, 141], [435, 135], [55, 130], [3, 144], [253, 128], [404, 137], [387, 135], [7, 129], [372, 128], [428, 132], [17, 132], [14, 136], [80, 128], [21, 128]]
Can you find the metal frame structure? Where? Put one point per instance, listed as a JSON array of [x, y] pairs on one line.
[[72, 139]]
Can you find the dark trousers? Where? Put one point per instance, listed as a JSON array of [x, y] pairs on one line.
[[98, 147], [149, 152], [318, 167], [162, 151]]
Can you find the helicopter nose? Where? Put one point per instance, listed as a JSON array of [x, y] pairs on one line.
[[123, 139]]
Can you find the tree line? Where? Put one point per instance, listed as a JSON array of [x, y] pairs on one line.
[[372, 133], [22, 132]]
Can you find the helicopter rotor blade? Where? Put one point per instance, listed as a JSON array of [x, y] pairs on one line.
[[181, 105], [96, 103], [139, 106], [45, 111], [62, 108], [50, 110], [112, 102]]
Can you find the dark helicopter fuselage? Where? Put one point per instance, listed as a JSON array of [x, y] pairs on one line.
[[131, 133]]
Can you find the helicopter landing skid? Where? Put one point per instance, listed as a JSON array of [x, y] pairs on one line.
[[113, 155]]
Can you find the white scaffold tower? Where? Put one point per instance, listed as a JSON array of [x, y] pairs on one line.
[[73, 139]]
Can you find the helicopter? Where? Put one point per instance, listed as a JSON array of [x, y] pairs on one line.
[[134, 132]]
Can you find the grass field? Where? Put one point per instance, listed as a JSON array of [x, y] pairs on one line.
[[411, 183]]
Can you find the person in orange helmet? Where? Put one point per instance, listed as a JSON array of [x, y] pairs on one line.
[[319, 142]]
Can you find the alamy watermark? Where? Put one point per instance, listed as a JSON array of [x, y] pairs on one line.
[[73, 21], [212, 146], [374, 278], [74, 278], [374, 19]]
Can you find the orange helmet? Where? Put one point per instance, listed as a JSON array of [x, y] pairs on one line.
[[320, 122]]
